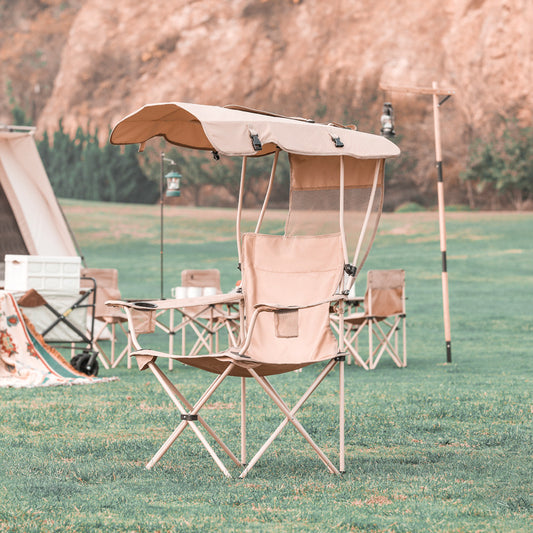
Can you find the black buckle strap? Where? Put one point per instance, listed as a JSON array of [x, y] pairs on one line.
[[189, 417], [337, 141], [351, 270], [256, 142]]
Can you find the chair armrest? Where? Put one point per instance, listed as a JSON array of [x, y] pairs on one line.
[[133, 306], [276, 307], [176, 303]]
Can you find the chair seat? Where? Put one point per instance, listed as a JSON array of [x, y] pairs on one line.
[[217, 363], [355, 318]]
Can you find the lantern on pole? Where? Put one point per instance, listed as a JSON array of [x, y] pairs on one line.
[[173, 183], [387, 121], [172, 179], [436, 92]]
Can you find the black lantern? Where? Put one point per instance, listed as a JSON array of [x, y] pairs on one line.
[[387, 121]]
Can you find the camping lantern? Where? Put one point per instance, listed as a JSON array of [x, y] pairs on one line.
[[387, 121], [173, 183]]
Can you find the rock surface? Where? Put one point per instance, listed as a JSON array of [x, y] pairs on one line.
[[314, 58]]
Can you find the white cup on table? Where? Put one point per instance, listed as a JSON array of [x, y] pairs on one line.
[[194, 292], [179, 292]]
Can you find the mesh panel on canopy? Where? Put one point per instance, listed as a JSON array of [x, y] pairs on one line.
[[315, 201], [317, 213]]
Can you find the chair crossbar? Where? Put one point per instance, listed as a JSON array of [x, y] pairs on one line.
[[349, 341], [289, 417], [177, 398]]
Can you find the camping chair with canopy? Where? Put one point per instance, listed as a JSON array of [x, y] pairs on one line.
[[292, 282]]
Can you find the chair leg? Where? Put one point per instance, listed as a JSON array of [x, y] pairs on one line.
[[177, 398], [125, 351], [385, 344], [404, 338], [371, 363], [349, 343], [341, 417], [243, 421], [102, 356], [289, 417]]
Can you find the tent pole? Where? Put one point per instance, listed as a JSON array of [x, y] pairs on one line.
[[442, 226], [368, 211]]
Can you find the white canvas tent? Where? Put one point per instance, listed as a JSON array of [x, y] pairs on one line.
[[31, 220]]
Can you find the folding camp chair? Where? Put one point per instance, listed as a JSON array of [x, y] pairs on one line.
[[288, 286], [384, 315], [291, 283], [106, 280]]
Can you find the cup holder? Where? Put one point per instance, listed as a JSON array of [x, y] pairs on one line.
[[145, 305]]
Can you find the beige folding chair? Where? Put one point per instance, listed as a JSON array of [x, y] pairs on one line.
[[107, 289], [289, 284], [384, 315]]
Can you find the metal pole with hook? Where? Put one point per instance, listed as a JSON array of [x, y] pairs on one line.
[[435, 91]]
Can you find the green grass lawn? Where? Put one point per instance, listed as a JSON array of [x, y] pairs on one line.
[[433, 447]]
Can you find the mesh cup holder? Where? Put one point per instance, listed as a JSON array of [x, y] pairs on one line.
[[143, 315]]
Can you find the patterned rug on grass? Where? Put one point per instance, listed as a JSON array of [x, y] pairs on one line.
[[25, 358]]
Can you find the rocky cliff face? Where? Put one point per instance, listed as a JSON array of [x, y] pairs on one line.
[[315, 58]]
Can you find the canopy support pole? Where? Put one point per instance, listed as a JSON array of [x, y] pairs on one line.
[[268, 191], [341, 214], [239, 209], [161, 202], [367, 217]]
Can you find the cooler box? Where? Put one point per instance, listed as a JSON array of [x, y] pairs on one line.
[[42, 273]]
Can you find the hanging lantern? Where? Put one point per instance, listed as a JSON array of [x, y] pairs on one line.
[[387, 121], [173, 183]]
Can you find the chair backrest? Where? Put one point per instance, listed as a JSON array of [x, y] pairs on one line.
[[385, 293], [209, 277], [291, 271], [106, 289]]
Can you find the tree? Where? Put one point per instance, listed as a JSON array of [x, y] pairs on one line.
[[79, 168], [504, 164]]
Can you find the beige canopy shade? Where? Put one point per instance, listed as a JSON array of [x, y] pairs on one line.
[[232, 132], [333, 168]]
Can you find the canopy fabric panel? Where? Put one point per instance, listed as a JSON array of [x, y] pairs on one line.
[[322, 173], [230, 132], [31, 198]]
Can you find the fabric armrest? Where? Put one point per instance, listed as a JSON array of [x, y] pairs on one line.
[[277, 307]]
